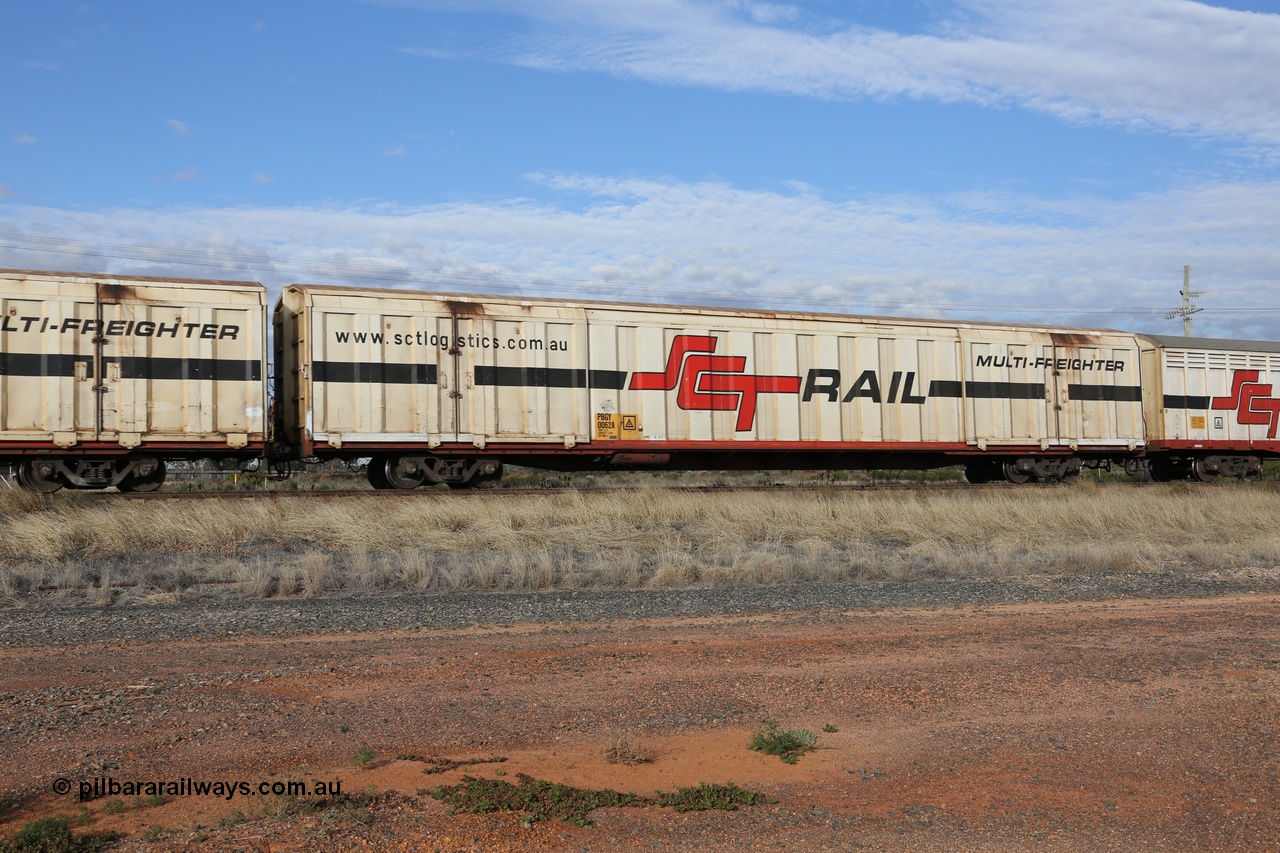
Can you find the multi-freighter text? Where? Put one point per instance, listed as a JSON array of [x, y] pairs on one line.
[[119, 328]]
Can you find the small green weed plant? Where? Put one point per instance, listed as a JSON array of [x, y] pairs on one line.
[[708, 796], [541, 800], [787, 744], [538, 799], [53, 835]]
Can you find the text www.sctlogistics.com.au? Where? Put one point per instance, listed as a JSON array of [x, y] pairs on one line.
[[107, 786]]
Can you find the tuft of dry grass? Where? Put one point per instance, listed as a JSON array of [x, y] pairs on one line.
[[629, 751], [96, 551]]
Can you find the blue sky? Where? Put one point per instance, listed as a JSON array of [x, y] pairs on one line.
[[986, 159]]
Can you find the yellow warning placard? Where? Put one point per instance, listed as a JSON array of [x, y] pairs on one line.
[[1197, 421], [629, 428], [606, 425]]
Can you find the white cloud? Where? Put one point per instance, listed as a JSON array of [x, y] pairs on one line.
[[24, 139], [6, 190], [398, 151], [263, 178], [1173, 65], [36, 65], [980, 255], [180, 127], [191, 174]]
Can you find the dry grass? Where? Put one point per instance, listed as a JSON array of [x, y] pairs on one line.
[[629, 751], [295, 546]]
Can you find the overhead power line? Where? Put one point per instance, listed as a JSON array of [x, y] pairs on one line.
[[264, 266]]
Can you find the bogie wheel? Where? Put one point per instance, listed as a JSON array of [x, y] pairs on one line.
[[1011, 473], [978, 472], [1201, 474], [487, 475], [147, 476], [377, 473], [1161, 471], [40, 475], [404, 473]]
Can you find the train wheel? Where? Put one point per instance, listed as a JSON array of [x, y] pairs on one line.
[[979, 472], [147, 476], [404, 472], [377, 473], [1161, 471], [1011, 473], [487, 475], [1201, 473], [40, 475]]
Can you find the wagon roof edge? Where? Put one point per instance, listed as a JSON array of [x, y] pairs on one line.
[[1182, 342], [242, 284], [443, 296]]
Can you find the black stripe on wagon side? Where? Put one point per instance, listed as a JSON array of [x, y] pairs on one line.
[[946, 388], [1120, 393], [375, 373], [549, 377], [1004, 390], [608, 380], [217, 369], [41, 364], [133, 367], [1176, 401]]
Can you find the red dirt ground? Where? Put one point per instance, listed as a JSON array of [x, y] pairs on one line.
[[1071, 727]]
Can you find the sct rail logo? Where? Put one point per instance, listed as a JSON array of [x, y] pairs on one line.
[[709, 382], [1251, 400]]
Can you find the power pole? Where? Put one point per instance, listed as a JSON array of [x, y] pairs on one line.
[[1187, 308]]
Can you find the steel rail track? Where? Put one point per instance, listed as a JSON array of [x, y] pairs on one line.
[[450, 494]]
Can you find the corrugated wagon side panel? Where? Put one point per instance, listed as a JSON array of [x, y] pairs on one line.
[[205, 379], [373, 367], [894, 385], [743, 379], [1211, 397], [40, 367], [131, 361], [858, 389], [1099, 398], [523, 372], [690, 378], [1007, 388]]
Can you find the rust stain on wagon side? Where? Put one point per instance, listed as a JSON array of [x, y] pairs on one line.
[[1072, 339], [466, 309], [109, 292]]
